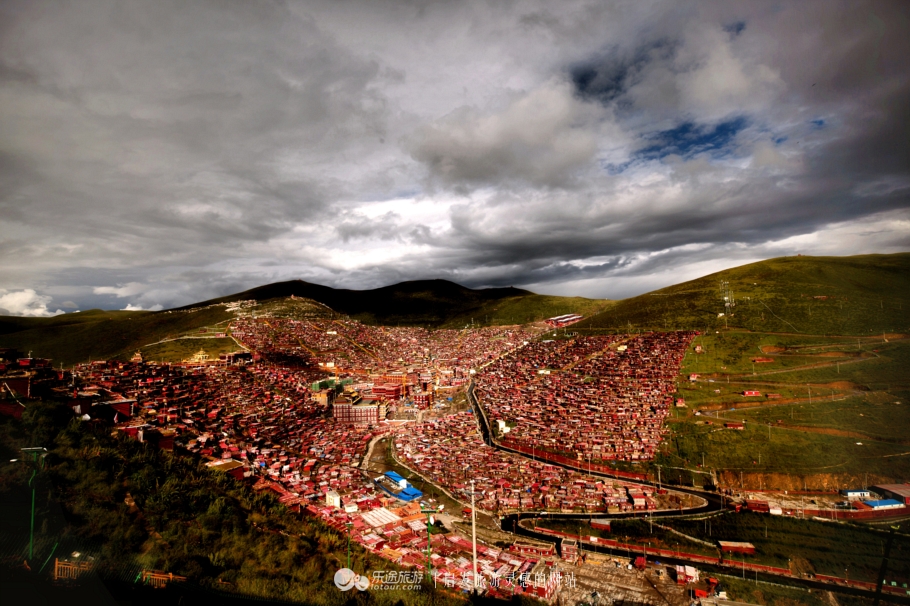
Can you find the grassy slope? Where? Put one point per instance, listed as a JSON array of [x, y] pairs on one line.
[[191, 521], [420, 302], [873, 415], [865, 400], [528, 308], [183, 349], [866, 295], [97, 334], [11, 324], [786, 451]]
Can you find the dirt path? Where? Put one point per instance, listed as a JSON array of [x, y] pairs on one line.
[[746, 405], [368, 457], [808, 367]]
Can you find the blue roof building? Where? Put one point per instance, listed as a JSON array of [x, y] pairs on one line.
[[884, 504], [407, 493], [392, 475]]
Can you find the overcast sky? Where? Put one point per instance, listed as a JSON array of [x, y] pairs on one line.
[[158, 152]]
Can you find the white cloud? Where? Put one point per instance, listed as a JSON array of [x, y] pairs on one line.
[[129, 289], [25, 303], [131, 307], [886, 232], [714, 82]]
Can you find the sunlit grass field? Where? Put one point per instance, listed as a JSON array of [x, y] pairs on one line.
[[860, 295], [183, 349]]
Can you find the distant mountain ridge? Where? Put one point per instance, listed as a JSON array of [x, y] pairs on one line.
[[424, 302], [857, 295], [97, 334]]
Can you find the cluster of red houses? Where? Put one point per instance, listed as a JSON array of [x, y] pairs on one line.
[[398, 533], [23, 377], [406, 366], [591, 398], [12, 360], [595, 397], [348, 345], [260, 421], [450, 453]]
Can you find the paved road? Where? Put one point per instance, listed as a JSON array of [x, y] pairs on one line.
[[713, 501]]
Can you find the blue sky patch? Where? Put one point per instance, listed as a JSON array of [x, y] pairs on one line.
[[817, 123], [689, 139]]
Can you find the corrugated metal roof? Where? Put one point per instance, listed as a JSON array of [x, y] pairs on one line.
[[380, 517], [901, 489]]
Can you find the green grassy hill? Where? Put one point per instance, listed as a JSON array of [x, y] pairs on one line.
[[419, 302], [100, 335], [528, 308], [861, 295], [97, 334], [857, 295]]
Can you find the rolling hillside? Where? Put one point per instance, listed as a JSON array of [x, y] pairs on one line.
[[857, 295], [97, 334], [528, 308], [860, 295], [433, 303], [420, 302]]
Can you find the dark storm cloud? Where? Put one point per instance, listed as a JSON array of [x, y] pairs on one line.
[[736, 28], [189, 125], [156, 153], [541, 139], [607, 76], [757, 206], [385, 227]]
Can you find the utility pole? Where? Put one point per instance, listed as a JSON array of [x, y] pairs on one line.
[[36, 460], [350, 525], [884, 568], [429, 513]]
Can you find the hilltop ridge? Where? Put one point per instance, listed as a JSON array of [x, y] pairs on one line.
[[855, 295], [425, 302], [99, 334], [858, 295]]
